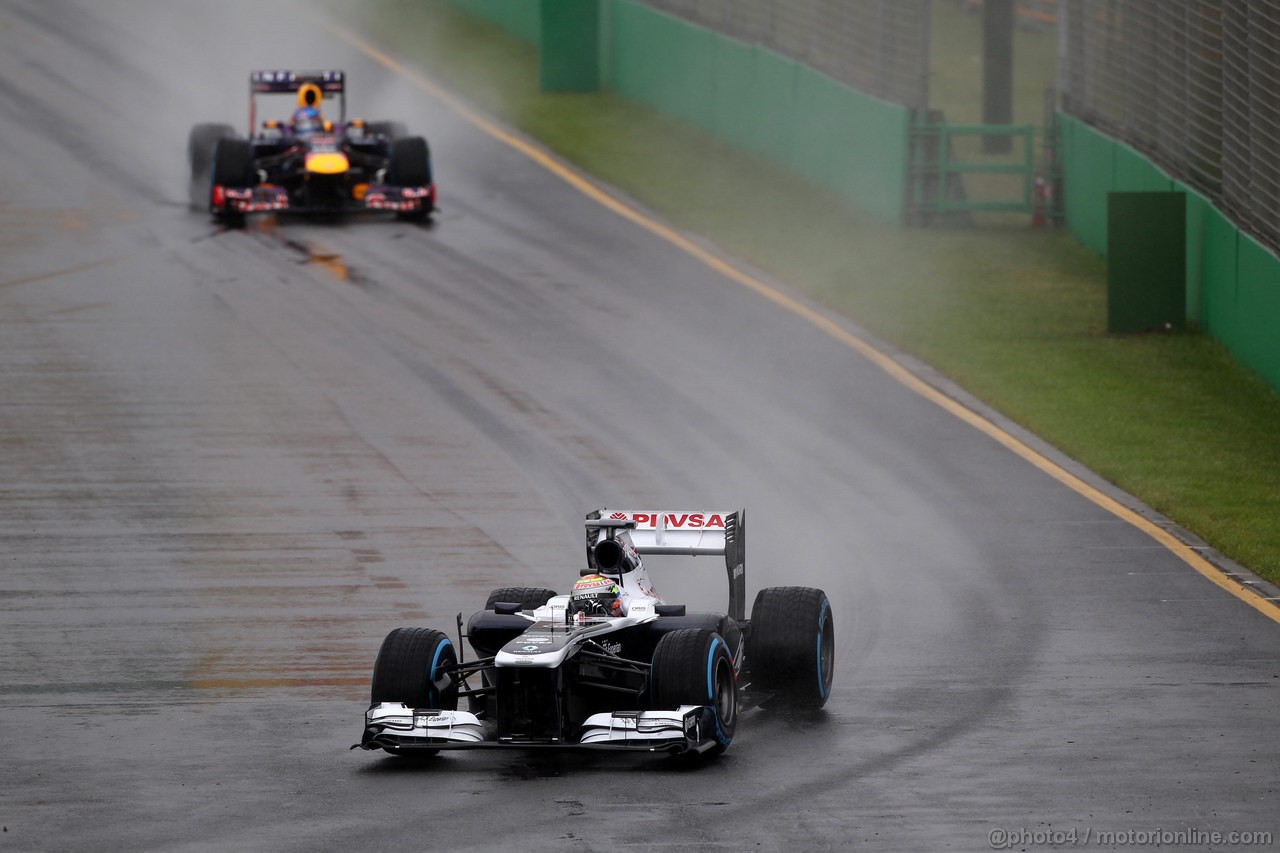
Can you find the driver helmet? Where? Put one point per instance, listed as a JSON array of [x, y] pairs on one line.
[[307, 120], [596, 595]]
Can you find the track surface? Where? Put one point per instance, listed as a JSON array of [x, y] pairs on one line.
[[232, 461]]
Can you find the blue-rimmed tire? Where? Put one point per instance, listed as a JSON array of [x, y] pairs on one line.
[[791, 648], [692, 666], [413, 667]]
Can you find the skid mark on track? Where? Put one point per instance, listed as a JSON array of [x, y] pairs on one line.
[[65, 272], [829, 326], [311, 253]]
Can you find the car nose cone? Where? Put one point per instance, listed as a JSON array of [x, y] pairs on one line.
[[328, 163]]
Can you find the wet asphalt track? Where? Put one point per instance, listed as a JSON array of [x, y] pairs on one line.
[[233, 460]]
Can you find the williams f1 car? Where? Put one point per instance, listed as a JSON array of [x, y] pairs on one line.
[[309, 163], [609, 665]]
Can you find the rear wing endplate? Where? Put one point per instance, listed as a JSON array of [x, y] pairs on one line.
[[663, 532]]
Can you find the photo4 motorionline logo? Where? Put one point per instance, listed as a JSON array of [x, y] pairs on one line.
[[1003, 838]]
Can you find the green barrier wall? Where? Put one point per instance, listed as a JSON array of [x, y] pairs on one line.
[[1219, 275], [1198, 208], [1255, 341], [837, 137], [518, 17], [773, 79], [1088, 174], [1233, 282], [1135, 173], [660, 61]]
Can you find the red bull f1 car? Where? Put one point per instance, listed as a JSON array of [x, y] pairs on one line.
[[610, 665], [309, 161]]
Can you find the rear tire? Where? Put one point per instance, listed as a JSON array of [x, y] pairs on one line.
[[200, 144], [392, 130], [412, 667], [528, 597], [791, 647], [691, 666]]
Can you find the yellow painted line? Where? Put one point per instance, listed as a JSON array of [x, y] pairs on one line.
[[882, 360]]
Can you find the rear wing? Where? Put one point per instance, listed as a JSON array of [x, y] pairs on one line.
[[663, 532], [266, 82], [332, 84]]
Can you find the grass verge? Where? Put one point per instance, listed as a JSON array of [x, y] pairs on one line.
[[1014, 315]]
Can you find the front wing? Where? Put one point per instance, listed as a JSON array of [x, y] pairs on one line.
[[391, 725], [272, 198]]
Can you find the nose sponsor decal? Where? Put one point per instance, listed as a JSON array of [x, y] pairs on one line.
[[327, 163]]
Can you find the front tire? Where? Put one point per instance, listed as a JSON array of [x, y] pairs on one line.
[[413, 667], [691, 666], [791, 649], [409, 165], [232, 168]]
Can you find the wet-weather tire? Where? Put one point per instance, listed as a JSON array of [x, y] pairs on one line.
[[412, 667], [392, 130], [791, 646], [233, 163], [233, 168], [691, 666], [410, 163], [528, 597], [200, 144]]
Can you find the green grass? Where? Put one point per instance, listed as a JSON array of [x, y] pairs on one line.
[[1015, 315]]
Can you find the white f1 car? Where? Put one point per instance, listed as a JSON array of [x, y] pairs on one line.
[[609, 665]]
